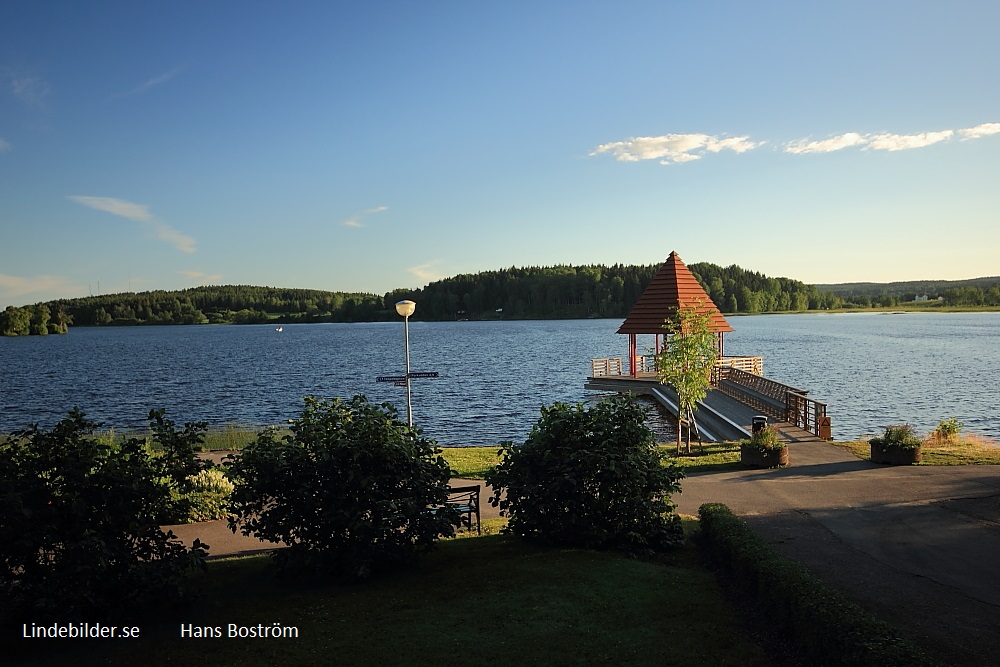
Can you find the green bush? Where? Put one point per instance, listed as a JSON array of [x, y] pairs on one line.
[[175, 452], [948, 429], [79, 530], [207, 497], [591, 478], [178, 450], [766, 439], [901, 436], [351, 490], [823, 626]]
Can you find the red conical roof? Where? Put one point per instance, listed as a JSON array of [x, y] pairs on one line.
[[673, 287]]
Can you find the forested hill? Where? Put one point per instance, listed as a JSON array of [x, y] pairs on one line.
[[972, 292], [557, 292]]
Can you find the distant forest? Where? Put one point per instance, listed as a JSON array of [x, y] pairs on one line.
[[558, 292]]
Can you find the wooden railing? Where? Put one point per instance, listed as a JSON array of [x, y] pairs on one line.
[[753, 365], [808, 414], [602, 367], [777, 400], [646, 364]]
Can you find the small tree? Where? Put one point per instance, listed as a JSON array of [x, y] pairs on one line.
[[352, 490], [686, 362], [589, 478]]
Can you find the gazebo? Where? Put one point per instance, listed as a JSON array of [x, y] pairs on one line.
[[673, 287]]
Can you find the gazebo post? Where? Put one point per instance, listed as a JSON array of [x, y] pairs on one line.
[[633, 371]]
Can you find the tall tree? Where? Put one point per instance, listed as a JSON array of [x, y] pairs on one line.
[[15, 321], [686, 362]]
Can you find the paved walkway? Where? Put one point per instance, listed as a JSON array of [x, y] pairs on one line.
[[223, 542], [917, 545]]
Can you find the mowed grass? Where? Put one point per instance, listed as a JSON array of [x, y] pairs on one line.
[[957, 451], [713, 457], [470, 462], [474, 462], [483, 600]]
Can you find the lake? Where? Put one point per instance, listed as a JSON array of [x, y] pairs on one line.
[[872, 369]]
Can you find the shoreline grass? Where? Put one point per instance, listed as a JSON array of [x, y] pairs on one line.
[[961, 450]]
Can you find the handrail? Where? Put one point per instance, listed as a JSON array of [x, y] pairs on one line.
[[602, 367], [647, 364], [777, 400]]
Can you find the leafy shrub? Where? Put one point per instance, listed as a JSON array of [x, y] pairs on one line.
[[178, 449], [901, 436], [948, 429], [175, 453], [207, 497], [79, 529], [590, 478], [351, 490], [766, 439]]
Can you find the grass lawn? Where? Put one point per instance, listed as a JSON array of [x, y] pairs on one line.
[[473, 462], [963, 450], [715, 457], [475, 601], [470, 462]]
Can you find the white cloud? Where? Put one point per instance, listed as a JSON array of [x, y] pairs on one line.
[[885, 141], [355, 220], [12, 287], [149, 83], [902, 142], [30, 90], [119, 207], [984, 130], [4, 146], [825, 145], [177, 239], [673, 148], [139, 213], [203, 278], [426, 272]]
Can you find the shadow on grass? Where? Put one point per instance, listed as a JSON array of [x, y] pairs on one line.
[[471, 601]]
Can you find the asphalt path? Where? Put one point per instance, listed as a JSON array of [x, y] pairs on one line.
[[917, 545], [222, 542]]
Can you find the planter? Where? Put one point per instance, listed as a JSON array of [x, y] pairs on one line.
[[896, 456], [752, 457]]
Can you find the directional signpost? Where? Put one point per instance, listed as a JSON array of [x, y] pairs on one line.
[[401, 380]]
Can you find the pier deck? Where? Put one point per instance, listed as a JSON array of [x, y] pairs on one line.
[[728, 410]]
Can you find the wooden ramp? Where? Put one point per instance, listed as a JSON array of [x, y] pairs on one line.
[[728, 410]]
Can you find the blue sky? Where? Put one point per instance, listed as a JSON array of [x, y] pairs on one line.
[[364, 146]]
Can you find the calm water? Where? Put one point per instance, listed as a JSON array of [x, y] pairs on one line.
[[872, 370]]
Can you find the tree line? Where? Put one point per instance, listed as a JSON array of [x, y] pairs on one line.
[[37, 320], [553, 292]]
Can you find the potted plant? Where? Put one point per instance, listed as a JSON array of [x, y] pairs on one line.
[[764, 449], [898, 446]]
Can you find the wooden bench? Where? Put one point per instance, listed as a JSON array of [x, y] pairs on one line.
[[465, 499]]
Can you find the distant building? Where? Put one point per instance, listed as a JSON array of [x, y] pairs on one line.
[[920, 298]]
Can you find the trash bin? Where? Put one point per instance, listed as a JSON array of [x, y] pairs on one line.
[[758, 423]]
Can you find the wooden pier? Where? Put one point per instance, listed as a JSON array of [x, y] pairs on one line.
[[736, 397]]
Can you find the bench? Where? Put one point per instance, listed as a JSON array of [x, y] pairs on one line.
[[465, 499]]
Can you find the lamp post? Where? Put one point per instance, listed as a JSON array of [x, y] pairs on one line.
[[405, 309]]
